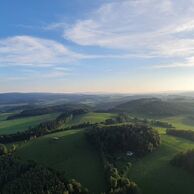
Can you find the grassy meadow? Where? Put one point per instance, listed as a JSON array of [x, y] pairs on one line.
[[185, 122], [22, 124], [154, 174], [68, 152], [3, 116], [91, 117]]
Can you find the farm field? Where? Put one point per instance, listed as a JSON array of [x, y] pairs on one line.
[[185, 122], [91, 117], [154, 174], [22, 124], [3, 116], [68, 152]]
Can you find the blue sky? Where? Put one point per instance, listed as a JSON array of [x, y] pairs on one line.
[[124, 46]]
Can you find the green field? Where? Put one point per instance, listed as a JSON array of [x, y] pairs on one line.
[[70, 154], [91, 117], [3, 116], [181, 122], [155, 175], [22, 124]]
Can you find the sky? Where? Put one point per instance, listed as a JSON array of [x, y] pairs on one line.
[[108, 46]]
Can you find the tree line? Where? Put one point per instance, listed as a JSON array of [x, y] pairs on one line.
[[184, 160], [186, 134], [158, 123], [46, 110], [120, 118], [118, 184], [125, 118], [42, 129]]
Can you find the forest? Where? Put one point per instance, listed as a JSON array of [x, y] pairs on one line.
[[28, 177], [139, 139]]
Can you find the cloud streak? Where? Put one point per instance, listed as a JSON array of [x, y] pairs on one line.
[[28, 51], [188, 62], [34, 52], [144, 28]]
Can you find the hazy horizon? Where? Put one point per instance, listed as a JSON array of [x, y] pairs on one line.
[[180, 92]]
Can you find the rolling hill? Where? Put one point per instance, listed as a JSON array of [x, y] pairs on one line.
[[155, 107], [67, 152]]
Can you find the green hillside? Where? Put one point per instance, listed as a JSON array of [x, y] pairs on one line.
[[3, 116], [185, 122], [155, 107], [22, 124], [91, 117], [154, 174], [70, 153]]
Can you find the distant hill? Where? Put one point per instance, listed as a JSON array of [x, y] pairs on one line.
[[15, 98], [55, 98], [21, 101], [155, 107], [48, 109]]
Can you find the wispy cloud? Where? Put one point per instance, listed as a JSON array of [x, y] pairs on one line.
[[188, 62], [32, 74], [147, 28], [32, 51], [28, 51], [56, 26]]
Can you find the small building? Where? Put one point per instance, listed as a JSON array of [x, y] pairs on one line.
[[55, 138], [129, 153]]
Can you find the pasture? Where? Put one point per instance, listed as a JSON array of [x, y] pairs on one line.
[[91, 117], [154, 174], [68, 152], [22, 124], [185, 122], [3, 116]]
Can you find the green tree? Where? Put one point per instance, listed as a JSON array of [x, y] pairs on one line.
[[3, 149]]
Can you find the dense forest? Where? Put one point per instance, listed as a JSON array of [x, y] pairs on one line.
[[28, 177], [139, 139]]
